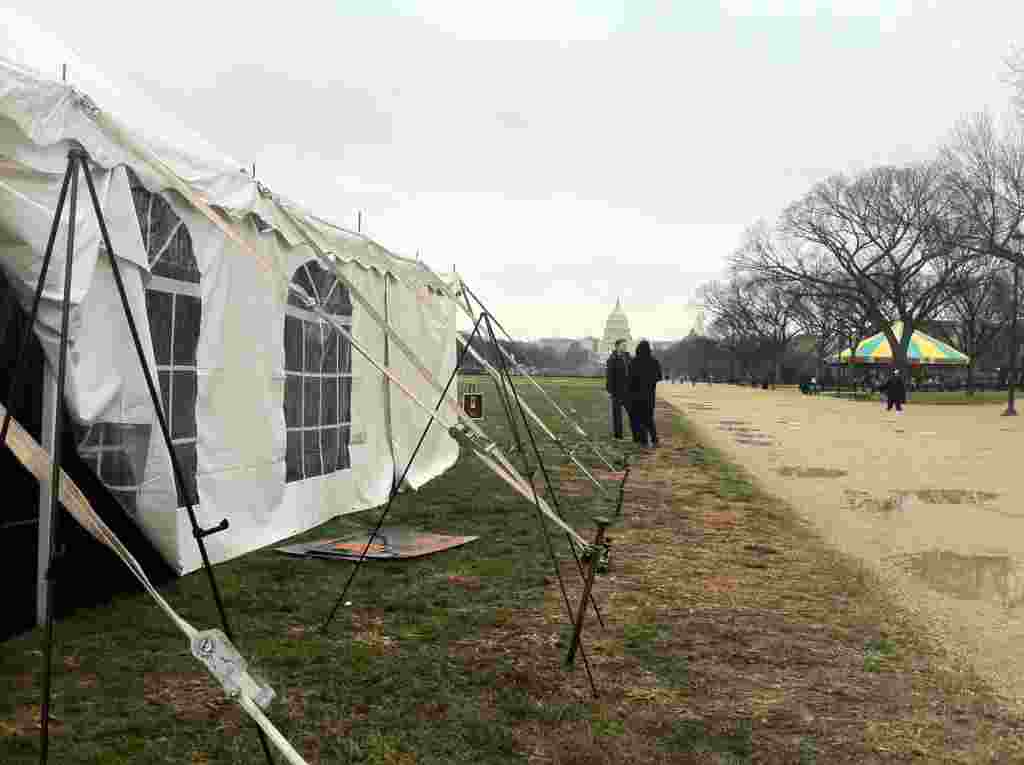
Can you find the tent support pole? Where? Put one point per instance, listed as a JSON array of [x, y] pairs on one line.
[[179, 476], [506, 378], [395, 484], [50, 492]]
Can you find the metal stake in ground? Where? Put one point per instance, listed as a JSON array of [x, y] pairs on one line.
[[591, 558]]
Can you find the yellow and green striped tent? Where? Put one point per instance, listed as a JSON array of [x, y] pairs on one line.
[[923, 350]]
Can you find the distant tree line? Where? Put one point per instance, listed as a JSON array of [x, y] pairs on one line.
[[540, 359]]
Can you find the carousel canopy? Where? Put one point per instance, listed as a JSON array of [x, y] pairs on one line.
[[923, 350]]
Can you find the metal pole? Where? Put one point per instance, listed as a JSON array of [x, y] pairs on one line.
[[1011, 411], [54, 554], [51, 406], [577, 630]]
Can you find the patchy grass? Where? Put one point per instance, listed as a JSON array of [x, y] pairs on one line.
[[732, 635]]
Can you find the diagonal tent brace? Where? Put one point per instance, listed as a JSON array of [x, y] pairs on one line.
[[249, 692]]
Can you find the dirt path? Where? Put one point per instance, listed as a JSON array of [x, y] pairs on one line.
[[933, 498]]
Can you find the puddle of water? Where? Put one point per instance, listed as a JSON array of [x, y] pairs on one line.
[[899, 500], [811, 472], [996, 578]]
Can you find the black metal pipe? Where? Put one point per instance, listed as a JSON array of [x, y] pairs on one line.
[[58, 430]]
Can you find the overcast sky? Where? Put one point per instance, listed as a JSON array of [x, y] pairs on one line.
[[561, 154]]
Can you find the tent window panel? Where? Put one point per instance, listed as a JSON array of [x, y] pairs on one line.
[[127, 500], [345, 399], [344, 456], [303, 282], [165, 391], [311, 399], [330, 449], [186, 454], [330, 401], [187, 315], [311, 453], [160, 310], [293, 401], [329, 363], [338, 301], [293, 344], [314, 346], [344, 355], [163, 224], [174, 309], [176, 260], [183, 405], [317, 363], [293, 462]]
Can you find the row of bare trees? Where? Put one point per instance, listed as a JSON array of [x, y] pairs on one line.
[[931, 244]]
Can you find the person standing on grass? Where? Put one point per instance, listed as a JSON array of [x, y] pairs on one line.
[[644, 375], [616, 382], [895, 391]]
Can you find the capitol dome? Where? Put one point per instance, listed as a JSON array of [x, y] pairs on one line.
[[616, 328]]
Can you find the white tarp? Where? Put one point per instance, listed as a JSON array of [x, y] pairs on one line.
[[216, 343]]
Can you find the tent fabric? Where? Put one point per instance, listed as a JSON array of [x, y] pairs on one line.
[[923, 350], [273, 447]]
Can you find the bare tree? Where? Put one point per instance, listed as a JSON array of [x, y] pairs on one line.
[[889, 239], [986, 176], [757, 315], [727, 328], [976, 313]]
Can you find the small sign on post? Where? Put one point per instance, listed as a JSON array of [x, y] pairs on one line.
[[472, 401]]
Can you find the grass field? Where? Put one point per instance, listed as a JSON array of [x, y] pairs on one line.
[[734, 635]]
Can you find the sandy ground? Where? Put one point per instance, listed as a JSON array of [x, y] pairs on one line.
[[931, 498]]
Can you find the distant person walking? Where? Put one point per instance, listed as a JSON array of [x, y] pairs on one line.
[[616, 382], [895, 391], [644, 376]]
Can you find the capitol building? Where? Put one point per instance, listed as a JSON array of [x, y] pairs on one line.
[[616, 327]]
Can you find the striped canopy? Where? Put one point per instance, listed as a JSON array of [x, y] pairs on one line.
[[923, 350]]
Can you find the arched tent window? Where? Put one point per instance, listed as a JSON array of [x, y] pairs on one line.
[[318, 377], [117, 451]]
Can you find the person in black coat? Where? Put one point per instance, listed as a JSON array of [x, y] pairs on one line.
[[616, 382], [895, 391], [644, 375]]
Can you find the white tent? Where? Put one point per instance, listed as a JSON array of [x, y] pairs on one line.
[[281, 425]]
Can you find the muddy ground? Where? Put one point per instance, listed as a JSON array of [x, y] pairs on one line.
[[931, 499]]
